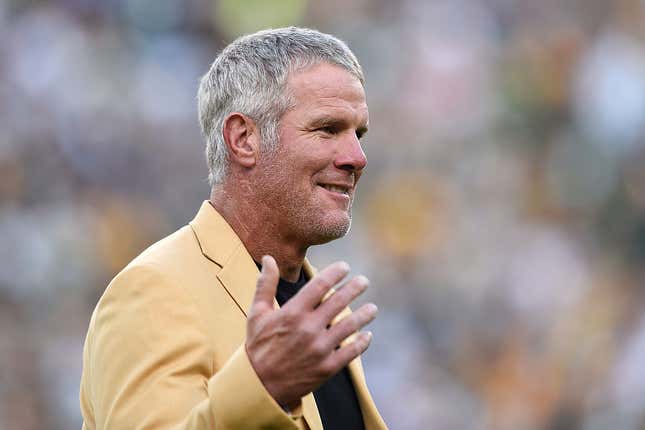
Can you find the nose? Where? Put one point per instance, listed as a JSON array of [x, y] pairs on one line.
[[350, 156]]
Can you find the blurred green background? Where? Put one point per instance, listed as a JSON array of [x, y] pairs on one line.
[[501, 218]]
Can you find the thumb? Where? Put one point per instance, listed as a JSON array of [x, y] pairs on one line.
[[267, 285]]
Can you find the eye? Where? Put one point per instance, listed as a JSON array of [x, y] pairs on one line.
[[328, 129]]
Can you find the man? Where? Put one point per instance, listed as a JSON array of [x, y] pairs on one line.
[[188, 336]]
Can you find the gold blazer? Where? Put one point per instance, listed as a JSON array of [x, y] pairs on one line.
[[165, 344]]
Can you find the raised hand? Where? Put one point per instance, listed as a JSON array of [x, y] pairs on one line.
[[293, 349]]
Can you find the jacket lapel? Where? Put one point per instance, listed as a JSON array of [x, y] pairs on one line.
[[309, 408], [371, 416], [239, 275], [222, 246]]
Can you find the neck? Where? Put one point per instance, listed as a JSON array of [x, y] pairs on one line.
[[258, 231]]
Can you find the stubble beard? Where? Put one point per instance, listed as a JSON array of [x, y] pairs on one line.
[[302, 220], [324, 231], [299, 219]]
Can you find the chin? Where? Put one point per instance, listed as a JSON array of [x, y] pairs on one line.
[[330, 230]]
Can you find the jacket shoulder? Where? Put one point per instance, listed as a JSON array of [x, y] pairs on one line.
[[176, 248]]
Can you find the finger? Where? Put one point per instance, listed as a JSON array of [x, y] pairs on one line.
[[342, 298], [313, 292], [266, 286], [351, 324], [342, 356]]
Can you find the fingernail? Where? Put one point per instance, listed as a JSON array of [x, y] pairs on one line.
[[362, 279], [368, 335], [344, 266], [373, 308]]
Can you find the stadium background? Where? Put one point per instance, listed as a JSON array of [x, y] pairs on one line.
[[501, 219]]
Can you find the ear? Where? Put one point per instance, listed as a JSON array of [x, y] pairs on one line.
[[242, 139]]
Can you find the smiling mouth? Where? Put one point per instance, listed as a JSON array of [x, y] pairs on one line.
[[336, 189]]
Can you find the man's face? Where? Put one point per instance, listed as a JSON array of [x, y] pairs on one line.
[[309, 182]]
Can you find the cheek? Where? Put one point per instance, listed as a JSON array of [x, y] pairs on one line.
[[301, 162], [291, 178]]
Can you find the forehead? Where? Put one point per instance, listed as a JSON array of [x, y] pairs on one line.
[[327, 88]]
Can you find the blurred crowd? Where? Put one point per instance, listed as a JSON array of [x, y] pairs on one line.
[[501, 219]]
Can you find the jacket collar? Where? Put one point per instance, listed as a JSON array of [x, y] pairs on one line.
[[220, 244], [216, 238]]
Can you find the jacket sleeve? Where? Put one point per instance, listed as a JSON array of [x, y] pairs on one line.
[[147, 364]]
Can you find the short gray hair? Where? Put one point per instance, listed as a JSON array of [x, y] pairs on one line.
[[250, 76]]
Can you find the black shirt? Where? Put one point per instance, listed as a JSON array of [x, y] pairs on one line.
[[336, 399]]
